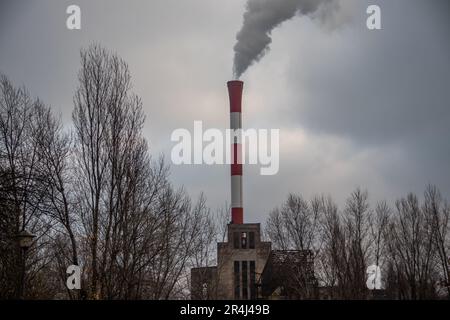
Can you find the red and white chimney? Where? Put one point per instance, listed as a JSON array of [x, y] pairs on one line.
[[237, 210]]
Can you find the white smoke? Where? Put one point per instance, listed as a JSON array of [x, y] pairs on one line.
[[260, 18]]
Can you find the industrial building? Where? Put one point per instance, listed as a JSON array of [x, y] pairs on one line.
[[247, 267]]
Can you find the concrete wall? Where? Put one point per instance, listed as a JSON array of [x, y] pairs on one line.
[[227, 254]]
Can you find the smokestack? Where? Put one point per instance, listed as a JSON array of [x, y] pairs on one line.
[[235, 93]]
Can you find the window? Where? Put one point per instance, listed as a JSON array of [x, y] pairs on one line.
[[237, 281], [252, 280], [244, 280], [205, 291], [251, 240], [244, 240]]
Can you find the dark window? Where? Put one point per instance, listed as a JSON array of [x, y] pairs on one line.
[[251, 240], [205, 291], [237, 286], [236, 240], [244, 280], [252, 280], [244, 240]]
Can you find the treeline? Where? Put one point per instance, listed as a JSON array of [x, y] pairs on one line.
[[410, 242], [92, 196]]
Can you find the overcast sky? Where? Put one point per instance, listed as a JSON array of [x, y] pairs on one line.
[[354, 107]]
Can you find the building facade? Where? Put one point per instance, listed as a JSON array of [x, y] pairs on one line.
[[240, 263], [248, 269]]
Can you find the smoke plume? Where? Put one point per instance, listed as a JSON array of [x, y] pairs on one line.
[[260, 18]]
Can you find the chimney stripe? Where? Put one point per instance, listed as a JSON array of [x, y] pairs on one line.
[[235, 95], [236, 192], [235, 120]]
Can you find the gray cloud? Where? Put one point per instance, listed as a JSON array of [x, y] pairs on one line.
[[354, 107], [382, 85]]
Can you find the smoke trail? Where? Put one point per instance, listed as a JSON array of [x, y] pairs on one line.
[[260, 18]]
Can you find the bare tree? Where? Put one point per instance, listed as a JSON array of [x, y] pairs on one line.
[[333, 257], [109, 153], [296, 226], [21, 184], [32, 158], [53, 148], [357, 221], [437, 212], [378, 229], [222, 219], [140, 233], [411, 250]]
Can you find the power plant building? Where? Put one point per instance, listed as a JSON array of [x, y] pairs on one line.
[[247, 267]]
